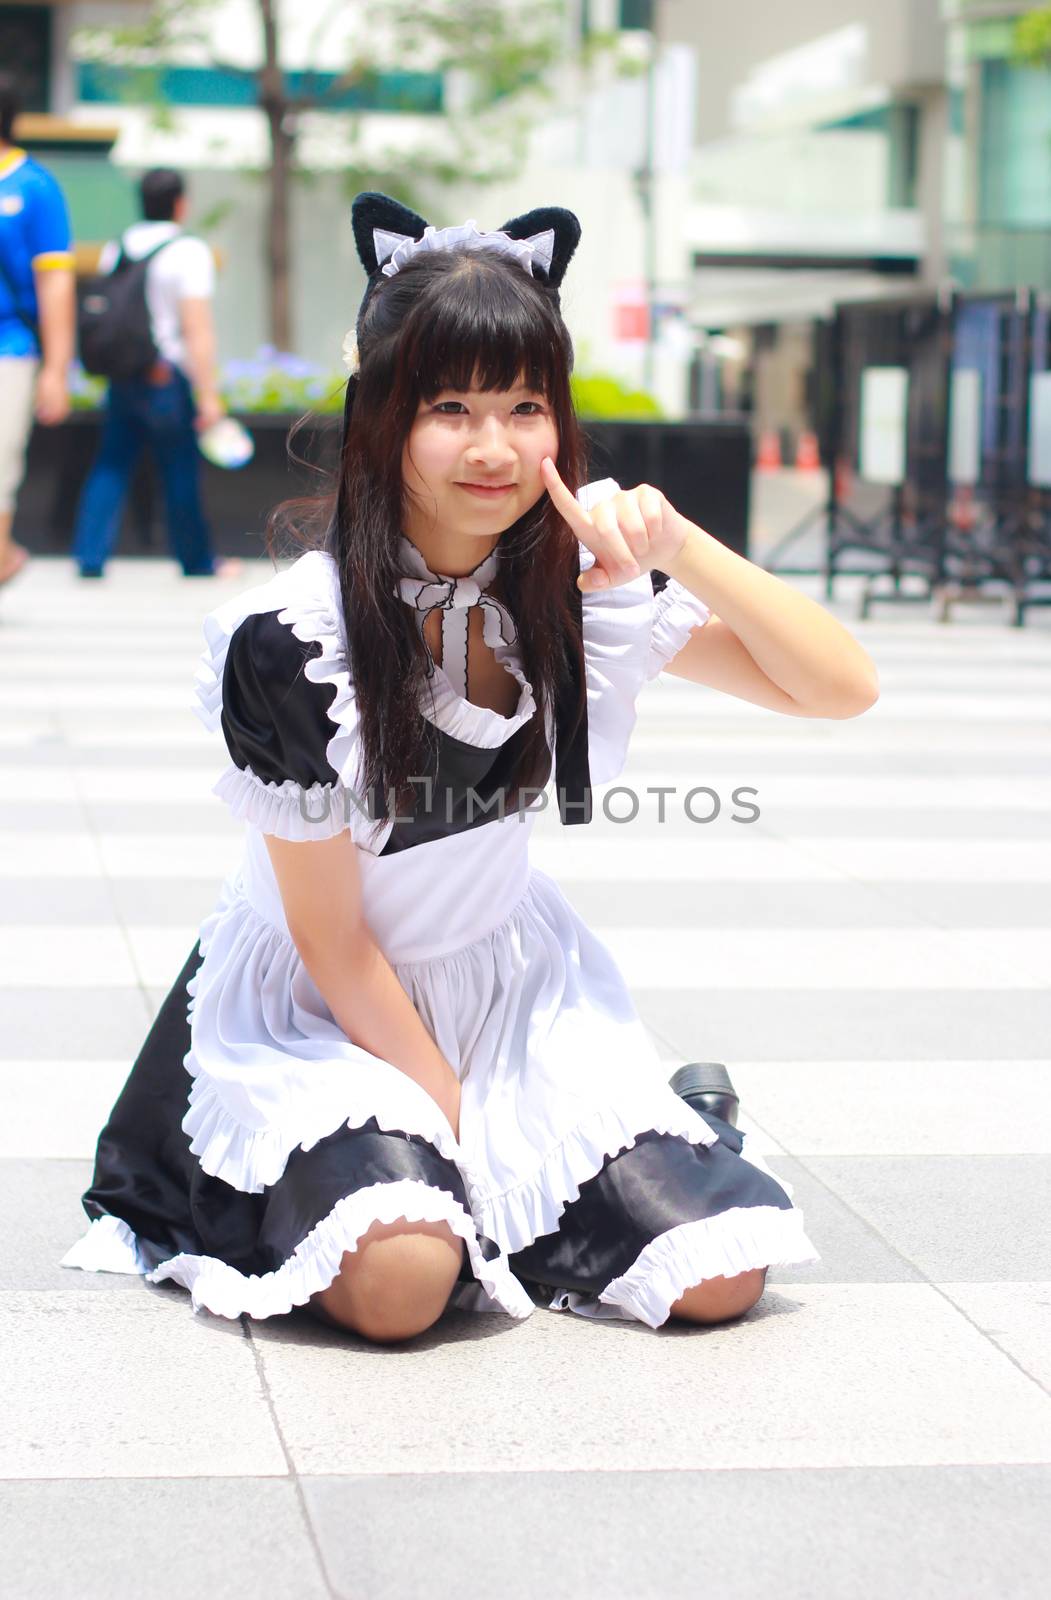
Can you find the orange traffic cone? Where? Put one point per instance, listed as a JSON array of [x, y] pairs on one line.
[[808, 455], [768, 456]]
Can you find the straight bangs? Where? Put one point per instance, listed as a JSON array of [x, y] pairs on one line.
[[485, 327]]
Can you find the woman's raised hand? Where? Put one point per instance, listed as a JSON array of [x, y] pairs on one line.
[[632, 532]]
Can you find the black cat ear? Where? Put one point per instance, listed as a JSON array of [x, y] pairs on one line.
[[555, 219], [373, 214]]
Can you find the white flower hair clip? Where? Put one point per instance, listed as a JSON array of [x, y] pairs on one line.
[[400, 247], [351, 356]]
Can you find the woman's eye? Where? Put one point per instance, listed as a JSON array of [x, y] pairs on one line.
[[456, 408]]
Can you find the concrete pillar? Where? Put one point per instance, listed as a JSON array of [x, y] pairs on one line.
[[930, 181]]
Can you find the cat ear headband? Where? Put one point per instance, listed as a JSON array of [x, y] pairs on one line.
[[387, 235]]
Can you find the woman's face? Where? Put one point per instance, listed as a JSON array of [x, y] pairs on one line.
[[471, 468]]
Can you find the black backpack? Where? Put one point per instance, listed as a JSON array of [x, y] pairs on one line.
[[114, 333]]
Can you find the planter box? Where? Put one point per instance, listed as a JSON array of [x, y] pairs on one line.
[[703, 468]]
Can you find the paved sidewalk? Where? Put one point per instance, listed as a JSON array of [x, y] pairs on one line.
[[871, 959]]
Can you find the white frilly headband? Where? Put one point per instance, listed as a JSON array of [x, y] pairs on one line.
[[400, 248], [393, 250]]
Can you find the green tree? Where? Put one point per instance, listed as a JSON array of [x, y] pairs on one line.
[[1032, 37], [496, 56]]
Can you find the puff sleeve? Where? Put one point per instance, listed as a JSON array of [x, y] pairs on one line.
[[276, 726], [630, 633], [275, 680], [676, 612], [616, 649]]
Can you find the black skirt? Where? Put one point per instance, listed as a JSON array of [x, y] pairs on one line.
[[146, 1177]]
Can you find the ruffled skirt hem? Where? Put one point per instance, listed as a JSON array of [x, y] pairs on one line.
[[739, 1240], [110, 1246]]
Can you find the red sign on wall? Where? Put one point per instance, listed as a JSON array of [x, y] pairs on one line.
[[631, 323], [631, 314]]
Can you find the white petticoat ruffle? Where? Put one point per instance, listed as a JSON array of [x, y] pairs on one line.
[[739, 1240], [110, 1246], [215, 1286]]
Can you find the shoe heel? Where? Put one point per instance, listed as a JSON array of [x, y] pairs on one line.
[[707, 1086]]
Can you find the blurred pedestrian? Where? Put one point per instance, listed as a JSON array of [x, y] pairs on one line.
[[167, 403], [36, 313]]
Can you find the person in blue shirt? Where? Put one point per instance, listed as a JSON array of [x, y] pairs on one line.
[[37, 313]]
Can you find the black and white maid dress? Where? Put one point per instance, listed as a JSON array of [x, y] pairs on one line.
[[253, 1143]]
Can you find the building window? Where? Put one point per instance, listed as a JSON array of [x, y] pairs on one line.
[[636, 13], [1014, 150], [903, 132]]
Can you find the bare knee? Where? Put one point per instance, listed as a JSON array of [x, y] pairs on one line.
[[721, 1299], [397, 1282]]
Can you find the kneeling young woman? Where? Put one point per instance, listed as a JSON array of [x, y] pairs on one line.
[[397, 1069]]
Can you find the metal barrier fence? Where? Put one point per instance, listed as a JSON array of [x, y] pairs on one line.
[[935, 421]]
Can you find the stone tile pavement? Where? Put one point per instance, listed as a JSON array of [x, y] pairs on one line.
[[870, 957]]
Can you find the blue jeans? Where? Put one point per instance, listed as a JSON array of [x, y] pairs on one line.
[[161, 415]]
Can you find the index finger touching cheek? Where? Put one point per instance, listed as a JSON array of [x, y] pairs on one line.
[[561, 497]]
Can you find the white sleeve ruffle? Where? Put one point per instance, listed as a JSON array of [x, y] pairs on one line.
[[288, 810]]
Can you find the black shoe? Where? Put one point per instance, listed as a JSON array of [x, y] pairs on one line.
[[706, 1086], [91, 572]]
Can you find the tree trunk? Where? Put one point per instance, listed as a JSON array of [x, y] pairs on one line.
[[274, 102], [277, 239]]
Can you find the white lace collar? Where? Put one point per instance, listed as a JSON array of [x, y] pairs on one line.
[[455, 598]]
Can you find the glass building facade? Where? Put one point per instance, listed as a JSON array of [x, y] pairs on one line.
[[999, 207]]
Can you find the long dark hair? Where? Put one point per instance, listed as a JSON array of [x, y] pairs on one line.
[[446, 320]]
